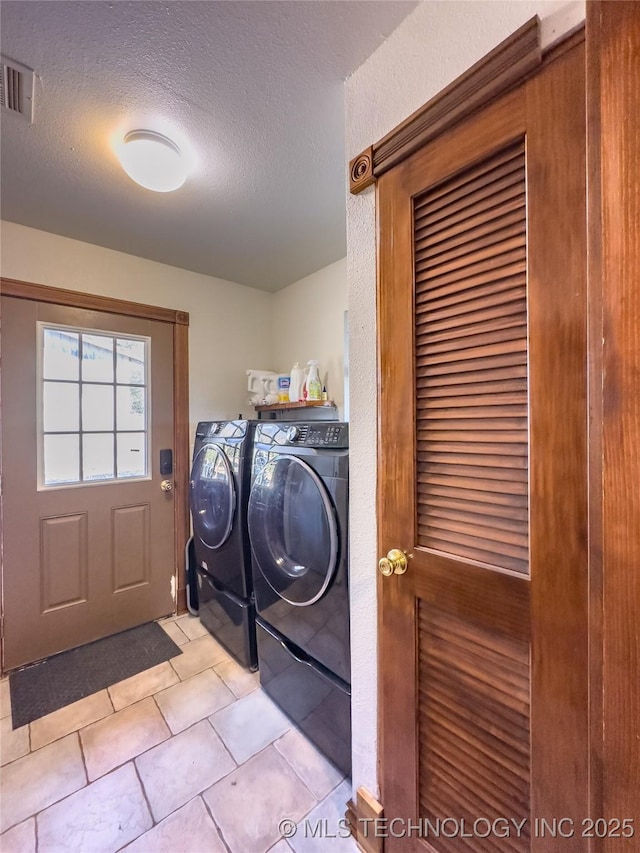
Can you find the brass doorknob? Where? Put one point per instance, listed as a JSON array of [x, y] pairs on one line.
[[395, 563], [166, 485]]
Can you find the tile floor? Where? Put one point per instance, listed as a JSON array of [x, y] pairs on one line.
[[188, 757]]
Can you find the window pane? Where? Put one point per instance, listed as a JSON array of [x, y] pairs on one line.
[[97, 457], [130, 407], [132, 454], [97, 358], [61, 459], [130, 366], [60, 403], [60, 354], [97, 407]]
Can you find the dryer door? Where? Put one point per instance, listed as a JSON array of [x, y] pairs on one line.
[[293, 530], [213, 496]]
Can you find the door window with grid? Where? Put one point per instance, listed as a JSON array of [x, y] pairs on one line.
[[93, 406]]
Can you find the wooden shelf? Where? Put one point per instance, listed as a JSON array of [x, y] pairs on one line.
[[302, 404]]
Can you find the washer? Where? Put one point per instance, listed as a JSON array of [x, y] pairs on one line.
[[218, 493], [297, 520]]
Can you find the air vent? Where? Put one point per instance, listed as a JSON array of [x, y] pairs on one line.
[[16, 88]]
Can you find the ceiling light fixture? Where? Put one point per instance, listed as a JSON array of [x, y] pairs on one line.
[[152, 160]]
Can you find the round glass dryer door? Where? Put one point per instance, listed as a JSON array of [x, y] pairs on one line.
[[213, 496], [293, 531]]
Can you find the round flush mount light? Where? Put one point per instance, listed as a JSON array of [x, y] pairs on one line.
[[152, 160]]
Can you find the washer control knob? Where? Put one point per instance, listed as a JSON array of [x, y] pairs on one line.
[[292, 433]]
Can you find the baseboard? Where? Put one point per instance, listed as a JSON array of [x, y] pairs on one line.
[[361, 817], [352, 818]]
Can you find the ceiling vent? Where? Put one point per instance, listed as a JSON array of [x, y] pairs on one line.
[[16, 88]]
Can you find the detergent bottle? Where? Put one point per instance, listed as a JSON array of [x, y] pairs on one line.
[[314, 385], [296, 383]]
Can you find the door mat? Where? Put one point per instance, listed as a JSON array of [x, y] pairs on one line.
[[51, 684]]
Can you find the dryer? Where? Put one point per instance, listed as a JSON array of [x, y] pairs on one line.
[[218, 493], [298, 527]]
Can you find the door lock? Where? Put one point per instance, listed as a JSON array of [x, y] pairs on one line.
[[395, 563], [166, 485]]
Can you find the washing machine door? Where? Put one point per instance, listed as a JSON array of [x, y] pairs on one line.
[[213, 496], [293, 530]]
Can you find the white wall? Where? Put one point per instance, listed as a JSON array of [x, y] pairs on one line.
[[308, 322], [230, 324], [435, 44]]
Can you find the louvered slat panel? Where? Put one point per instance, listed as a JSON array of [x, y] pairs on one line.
[[471, 363], [497, 790], [497, 320], [473, 727], [492, 514], [461, 311], [444, 229], [493, 264], [467, 524], [485, 470], [501, 525], [450, 239], [505, 502], [469, 396], [510, 373], [507, 332], [427, 355], [508, 274], [492, 683], [474, 412], [442, 742], [443, 263], [463, 209], [481, 449], [450, 782], [508, 156], [489, 650]]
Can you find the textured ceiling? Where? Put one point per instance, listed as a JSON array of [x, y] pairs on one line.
[[254, 89]]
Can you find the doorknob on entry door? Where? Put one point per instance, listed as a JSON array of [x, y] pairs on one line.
[[395, 563], [166, 485]]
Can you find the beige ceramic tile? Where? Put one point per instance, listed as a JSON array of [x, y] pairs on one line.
[[191, 626], [189, 701], [263, 792], [5, 698], [102, 817], [325, 827], [175, 632], [318, 774], [200, 654], [178, 769], [13, 743], [142, 685], [70, 719], [34, 782], [249, 725], [238, 679], [120, 737], [20, 839], [192, 822]]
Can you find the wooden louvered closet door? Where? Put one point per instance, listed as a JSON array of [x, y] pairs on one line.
[[482, 476]]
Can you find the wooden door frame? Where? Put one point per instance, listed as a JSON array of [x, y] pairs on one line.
[[180, 322], [613, 127]]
